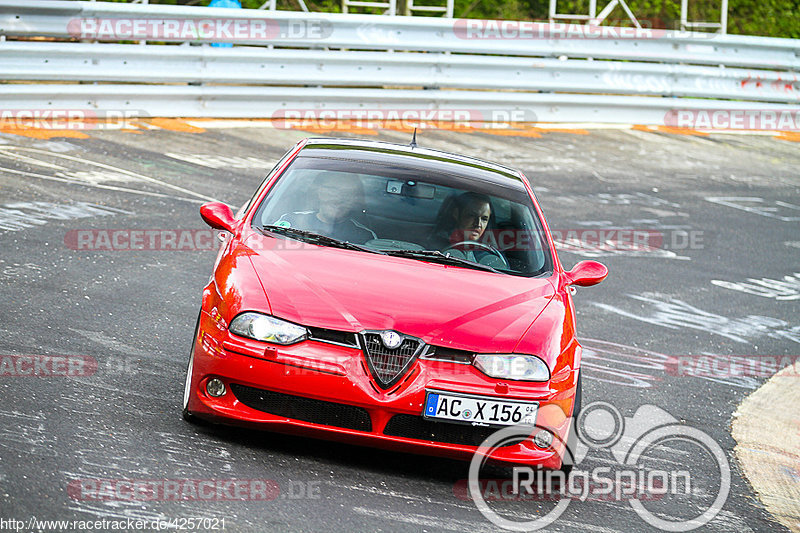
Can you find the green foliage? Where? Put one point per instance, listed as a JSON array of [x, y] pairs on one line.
[[773, 18]]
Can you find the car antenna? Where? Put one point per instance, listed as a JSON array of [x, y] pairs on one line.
[[413, 143]]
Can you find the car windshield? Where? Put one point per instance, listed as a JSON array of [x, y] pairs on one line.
[[408, 211]]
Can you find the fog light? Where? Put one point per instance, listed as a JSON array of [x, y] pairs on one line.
[[543, 439], [215, 387]]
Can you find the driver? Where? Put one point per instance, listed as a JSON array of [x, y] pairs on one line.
[[472, 215], [462, 220]]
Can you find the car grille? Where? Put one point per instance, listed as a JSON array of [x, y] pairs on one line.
[[416, 427], [388, 365], [305, 409]]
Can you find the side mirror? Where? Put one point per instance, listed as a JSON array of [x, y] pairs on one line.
[[218, 216], [586, 274]]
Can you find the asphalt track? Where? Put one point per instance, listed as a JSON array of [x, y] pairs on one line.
[[133, 311]]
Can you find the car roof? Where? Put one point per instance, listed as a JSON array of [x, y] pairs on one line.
[[403, 153]]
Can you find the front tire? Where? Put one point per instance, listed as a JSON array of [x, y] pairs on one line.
[[187, 388], [572, 437]]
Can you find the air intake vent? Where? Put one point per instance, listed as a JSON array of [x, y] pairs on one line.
[[416, 427], [306, 409]]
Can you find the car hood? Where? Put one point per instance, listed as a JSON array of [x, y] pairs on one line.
[[354, 291]]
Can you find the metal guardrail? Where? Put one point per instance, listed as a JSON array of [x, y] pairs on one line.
[[369, 61], [52, 18], [246, 65], [376, 104]]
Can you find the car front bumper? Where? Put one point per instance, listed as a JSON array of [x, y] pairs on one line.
[[325, 390]]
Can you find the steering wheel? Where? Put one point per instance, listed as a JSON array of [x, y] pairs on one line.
[[481, 245]]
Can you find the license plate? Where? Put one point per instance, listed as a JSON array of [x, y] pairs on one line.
[[478, 410]]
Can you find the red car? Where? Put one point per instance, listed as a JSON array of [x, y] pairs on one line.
[[391, 296]]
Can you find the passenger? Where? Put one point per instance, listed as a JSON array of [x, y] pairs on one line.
[[339, 198]]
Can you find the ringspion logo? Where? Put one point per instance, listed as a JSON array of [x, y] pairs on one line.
[[639, 445]]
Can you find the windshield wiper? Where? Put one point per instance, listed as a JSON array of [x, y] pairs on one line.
[[316, 238], [438, 257]]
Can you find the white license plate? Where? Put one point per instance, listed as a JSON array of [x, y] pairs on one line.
[[478, 410]]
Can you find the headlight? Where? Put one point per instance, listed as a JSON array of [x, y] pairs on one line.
[[267, 328], [513, 366]]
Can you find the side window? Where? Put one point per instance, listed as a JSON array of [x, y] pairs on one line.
[[291, 194], [249, 203]]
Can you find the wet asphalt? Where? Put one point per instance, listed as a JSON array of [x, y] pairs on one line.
[[727, 206]]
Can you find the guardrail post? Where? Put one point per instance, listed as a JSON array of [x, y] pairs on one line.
[[390, 5], [722, 25], [447, 9]]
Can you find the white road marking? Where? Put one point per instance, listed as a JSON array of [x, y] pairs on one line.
[[112, 169], [618, 364], [676, 314], [107, 342], [786, 289], [56, 146], [759, 206], [30, 160], [98, 186], [221, 161], [429, 521], [613, 248], [404, 496], [21, 215], [94, 176], [17, 269], [17, 414], [467, 526], [28, 437]]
